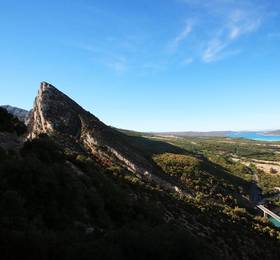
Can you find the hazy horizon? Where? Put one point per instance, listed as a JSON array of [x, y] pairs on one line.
[[151, 66]]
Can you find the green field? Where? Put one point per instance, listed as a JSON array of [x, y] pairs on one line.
[[243, 158]]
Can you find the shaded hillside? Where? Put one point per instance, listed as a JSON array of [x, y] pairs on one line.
[[54, 207], [71, 192], [19, 113], [10, 124], [59, 206]]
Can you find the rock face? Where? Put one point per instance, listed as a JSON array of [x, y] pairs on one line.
[[21, 114], [56, 114]]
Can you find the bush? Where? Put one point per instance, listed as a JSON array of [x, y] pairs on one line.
[[239, 211], [44, 149], [11, 124]]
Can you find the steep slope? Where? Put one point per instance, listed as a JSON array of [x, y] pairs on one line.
[[54, 209], [56, 114], [11, 130], [19, 113]]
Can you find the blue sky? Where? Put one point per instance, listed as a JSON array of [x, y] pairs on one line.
[[161, 65]]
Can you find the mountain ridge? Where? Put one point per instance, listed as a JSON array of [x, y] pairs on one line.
[[56, 114], [24, 115], [20, 113]]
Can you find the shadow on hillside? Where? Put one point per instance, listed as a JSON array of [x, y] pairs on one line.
[[148, 148], [221, 173], [250, 187]]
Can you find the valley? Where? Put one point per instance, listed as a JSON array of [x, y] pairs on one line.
[[253, 161], [77, 188]]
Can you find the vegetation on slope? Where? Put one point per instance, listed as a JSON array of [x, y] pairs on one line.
[[49, 210], [65, 206], [231, 154], [208, 184], [10, 124], [225, 146], [58, 204]]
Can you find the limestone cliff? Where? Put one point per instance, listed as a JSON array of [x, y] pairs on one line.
[[56, 114]]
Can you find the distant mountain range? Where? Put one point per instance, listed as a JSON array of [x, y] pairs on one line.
[[273, 133], [24, 115], [20, 113], [195, 134], [204, 134]]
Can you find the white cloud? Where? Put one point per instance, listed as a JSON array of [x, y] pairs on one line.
[[109, 59], [188, 28], [243, 22], [234, 32], [214, 48], [237, 23], [118, 64], [223, 23]]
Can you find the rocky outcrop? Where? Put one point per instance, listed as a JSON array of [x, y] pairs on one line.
[[53, 112], [56, 114]]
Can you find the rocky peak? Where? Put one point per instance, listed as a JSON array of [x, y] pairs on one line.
[[45, 85], [56, 114]]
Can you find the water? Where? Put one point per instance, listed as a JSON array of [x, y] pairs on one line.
[[259, 136], [275, 222]]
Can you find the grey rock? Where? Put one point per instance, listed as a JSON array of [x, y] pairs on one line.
[[57, 115]]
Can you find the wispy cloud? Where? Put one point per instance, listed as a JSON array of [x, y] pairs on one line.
[[188, 28], [214, 48], [224, 23], [237, 24], [243, 22], [118, 65], [211, 31]]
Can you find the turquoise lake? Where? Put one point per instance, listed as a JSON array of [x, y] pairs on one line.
[[274, 222], [259, 136]]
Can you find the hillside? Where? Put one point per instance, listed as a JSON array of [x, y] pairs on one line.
[[19, 113], [79, 189], [10, 124]]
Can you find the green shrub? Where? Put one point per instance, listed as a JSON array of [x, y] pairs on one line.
[[44, 149]]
